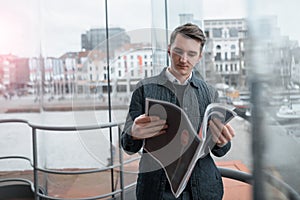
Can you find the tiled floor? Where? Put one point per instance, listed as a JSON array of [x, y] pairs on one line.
[[88, 185], [235, 190]]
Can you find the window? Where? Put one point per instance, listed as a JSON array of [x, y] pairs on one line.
[[217, 32], [218, 56], [233, 55], [233, 32]]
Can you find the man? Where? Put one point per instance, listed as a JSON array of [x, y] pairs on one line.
[[176, 84]]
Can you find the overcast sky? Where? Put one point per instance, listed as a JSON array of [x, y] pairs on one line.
[[55, 26]]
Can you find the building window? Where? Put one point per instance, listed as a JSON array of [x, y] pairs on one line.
[[120, 73], [233, 32], [207, 33], [232, 55], [218, 56], [217, 32]]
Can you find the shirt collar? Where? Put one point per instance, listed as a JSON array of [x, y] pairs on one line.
[[173, 79]]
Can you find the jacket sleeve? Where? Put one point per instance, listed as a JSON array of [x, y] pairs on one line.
[[136, 108], [221, 151]]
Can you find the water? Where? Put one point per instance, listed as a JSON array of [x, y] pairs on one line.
[[77, 149]]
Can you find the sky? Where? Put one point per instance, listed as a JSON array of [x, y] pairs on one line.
[[53, 27]]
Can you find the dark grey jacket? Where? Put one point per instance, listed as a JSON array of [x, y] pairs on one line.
[[205, 181]]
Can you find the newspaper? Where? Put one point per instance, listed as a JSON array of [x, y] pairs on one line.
[[178, 150]]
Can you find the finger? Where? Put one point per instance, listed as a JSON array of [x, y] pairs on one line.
[[142, 132], [231, 130], [155, 129], [218, 123], [228, 132], [213, 130], [146, 119], [218, 138]]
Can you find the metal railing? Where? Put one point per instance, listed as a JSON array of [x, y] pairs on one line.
[[39, 193]]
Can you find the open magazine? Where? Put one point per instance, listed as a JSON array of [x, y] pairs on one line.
[[180, 147]]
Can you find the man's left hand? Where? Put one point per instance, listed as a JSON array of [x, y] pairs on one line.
[[221, 133]]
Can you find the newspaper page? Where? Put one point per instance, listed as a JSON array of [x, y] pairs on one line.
[[178, 150]]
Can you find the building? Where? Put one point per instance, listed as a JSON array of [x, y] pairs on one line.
[[14, 73], [225, 49], [132, 63], [96, 39]]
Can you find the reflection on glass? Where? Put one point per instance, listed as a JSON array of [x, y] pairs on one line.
[[274, 50]]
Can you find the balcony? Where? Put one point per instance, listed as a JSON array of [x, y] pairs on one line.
[[115, 181]]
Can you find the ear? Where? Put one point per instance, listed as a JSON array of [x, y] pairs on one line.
[[200, 56], [169, 50]]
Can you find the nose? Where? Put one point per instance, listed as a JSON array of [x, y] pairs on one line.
[[183, 57]]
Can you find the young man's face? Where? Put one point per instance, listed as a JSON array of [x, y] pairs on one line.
[[184, 54]]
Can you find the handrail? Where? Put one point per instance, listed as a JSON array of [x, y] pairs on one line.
[[33, 163], [225, 172], [236, 175]]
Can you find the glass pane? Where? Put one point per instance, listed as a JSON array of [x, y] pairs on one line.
[[274, 70], [20, 77], [222, 65], [19, 41]]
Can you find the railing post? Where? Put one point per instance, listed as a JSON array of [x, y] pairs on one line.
[[111, 161], [35, 164], [121, 164]]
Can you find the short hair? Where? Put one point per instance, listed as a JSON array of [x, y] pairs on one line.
[[189, 30]]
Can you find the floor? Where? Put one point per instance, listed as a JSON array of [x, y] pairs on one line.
[[89, 185]]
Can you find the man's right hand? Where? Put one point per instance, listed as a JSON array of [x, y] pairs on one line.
[[147, 127]]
